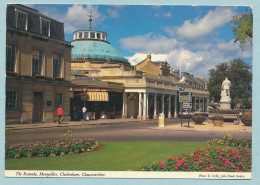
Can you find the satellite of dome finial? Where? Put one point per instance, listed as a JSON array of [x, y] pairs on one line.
[[90, 19]]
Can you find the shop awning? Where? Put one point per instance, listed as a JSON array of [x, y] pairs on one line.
[[97, 96]]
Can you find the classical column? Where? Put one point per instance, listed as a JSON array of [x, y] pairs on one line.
[[169, 106], [203, 105], [195, 106], [175, 106], [145, 117], [162, 103], [207, 101], [140, 106], [155, 107], [199, 105], [124, 113], [147, 106]]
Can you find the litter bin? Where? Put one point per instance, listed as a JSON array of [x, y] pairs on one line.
[[161, 120]]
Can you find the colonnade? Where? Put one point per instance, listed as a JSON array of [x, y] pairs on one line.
[[198, 104]]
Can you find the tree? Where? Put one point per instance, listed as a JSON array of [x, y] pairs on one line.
[[240, 75], [243, 28]]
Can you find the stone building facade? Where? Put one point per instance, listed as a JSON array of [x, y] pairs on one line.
[[37, 67], [142, 91]]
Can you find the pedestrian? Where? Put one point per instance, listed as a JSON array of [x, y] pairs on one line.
[[84, 110], [60, 113]]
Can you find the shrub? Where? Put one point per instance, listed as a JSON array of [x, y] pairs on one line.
[[217, 118], [198, 119], [247, 118]]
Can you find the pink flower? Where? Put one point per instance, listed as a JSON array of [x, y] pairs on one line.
[[169, 159], [162, 166]]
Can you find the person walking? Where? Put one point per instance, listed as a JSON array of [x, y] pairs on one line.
[[84, 110], [60, 113]]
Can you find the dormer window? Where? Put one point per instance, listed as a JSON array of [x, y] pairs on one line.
[[21, 20], [45, 26]]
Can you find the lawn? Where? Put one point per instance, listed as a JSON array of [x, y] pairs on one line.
[[116, 156]]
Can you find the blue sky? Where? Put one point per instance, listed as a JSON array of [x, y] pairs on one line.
[[193, 37]]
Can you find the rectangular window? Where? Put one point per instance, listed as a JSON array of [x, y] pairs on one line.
[[11, 100], [21, 20], [85, 34], [10, 57], [98, 35], [92, 35], [57, 66], [45, 27], [37, 62], [59, 100]]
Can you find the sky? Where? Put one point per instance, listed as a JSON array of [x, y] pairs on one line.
[[191, 38]]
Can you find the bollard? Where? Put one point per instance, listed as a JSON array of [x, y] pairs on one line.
[[161, 120]]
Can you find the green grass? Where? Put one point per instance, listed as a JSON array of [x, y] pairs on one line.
[[117, 156]]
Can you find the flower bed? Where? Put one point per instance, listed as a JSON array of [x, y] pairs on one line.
[[209, 159], [224, 111], [50, 148]]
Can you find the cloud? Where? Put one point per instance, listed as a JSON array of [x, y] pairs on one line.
[[149, 43], [200, 27], [139, 57], [112, 13], [73, 18]]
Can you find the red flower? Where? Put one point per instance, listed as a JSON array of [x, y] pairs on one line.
[[162, 166]]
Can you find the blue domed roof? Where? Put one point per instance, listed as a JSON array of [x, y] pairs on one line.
[[98, 49]]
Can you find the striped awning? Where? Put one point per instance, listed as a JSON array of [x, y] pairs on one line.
[[97, 96]]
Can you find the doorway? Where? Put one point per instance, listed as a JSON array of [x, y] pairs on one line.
[[37, 106]]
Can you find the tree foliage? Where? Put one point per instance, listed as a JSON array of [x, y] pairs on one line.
[[240, 75], [243, 28]]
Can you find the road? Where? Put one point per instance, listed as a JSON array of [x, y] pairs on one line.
[[116, 132]]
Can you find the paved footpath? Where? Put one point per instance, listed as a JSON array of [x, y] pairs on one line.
[[208, 126], [70, 124]]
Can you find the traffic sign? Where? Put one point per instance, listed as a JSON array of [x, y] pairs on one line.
[[184, 96]]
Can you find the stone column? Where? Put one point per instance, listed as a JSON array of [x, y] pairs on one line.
[[169, 106], [155, 107], [145, 117], [207, 101], [147, 106], [203, 105], [162, 103], [175, 106], [199, 105], [195, 104], [124, 113], [140, 106]]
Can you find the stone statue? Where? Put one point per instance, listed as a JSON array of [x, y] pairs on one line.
[[226, 86], [225, 101]]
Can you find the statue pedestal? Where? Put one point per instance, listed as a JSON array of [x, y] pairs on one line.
[[225, 105]]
